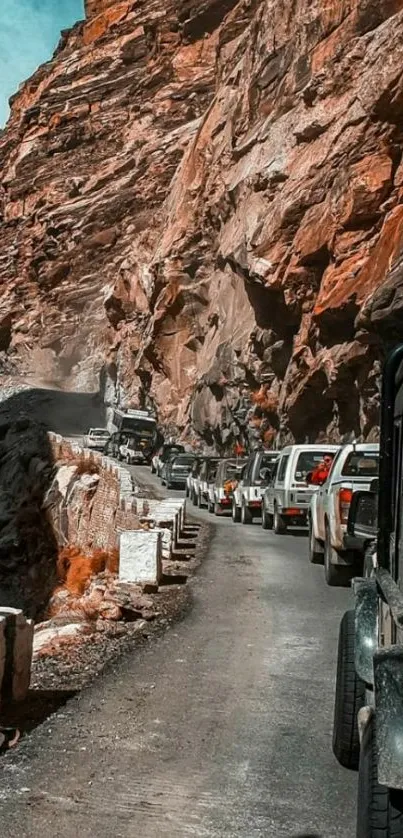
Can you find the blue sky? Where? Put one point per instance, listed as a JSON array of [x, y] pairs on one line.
[[29, 32]]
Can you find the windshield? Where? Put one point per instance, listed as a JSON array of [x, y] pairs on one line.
[[361, 464], [171, 451], [231, 470], [138, 426], [308, 461], [184, 461], [99, 432]]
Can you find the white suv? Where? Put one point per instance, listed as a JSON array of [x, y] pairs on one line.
[[354, 468], [247, 496]]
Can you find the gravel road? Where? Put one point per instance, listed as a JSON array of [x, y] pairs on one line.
[[221, 728]]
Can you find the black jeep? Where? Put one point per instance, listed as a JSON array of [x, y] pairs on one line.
[[368, 718]]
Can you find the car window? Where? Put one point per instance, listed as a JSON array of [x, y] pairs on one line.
[[248, 470], [307, 461], [170, 452], [268, 460], [212, 470], [274, 471], [361, 464], [230, 470], [282, 468]]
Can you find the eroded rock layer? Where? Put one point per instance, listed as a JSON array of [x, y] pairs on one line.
[[202, 202]]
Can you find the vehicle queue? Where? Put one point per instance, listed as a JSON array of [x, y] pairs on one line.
[[349, 498], [304, 486], [331, 490]]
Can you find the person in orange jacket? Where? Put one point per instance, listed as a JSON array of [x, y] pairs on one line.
[[320, 474]]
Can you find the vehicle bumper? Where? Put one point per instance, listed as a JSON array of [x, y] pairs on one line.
[[225, 503], [295, 514], [254, 504]]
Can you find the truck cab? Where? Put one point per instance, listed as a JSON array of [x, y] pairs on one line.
[[368, 716]]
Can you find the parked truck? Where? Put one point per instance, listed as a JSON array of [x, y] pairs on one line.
[[354, 466]]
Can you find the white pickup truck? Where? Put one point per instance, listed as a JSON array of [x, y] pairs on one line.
[[353, 468]]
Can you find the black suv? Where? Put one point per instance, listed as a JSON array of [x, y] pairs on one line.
[[368, 718]]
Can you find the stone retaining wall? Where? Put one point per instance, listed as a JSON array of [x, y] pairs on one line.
[[89, 504], [92, 509]]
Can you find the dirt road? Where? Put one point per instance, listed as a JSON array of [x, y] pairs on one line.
[[219, 729]]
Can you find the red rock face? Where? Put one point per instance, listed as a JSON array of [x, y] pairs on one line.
[[204, 200]]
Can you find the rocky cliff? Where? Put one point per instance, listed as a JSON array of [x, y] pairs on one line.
[[201, 205]]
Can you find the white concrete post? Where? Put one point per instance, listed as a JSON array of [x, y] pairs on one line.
[[140, 556]]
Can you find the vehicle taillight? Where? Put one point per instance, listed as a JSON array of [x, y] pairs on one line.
[[345, 496]]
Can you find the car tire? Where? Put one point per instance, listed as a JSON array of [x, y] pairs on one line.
[[152, 469], [194, 498], [267, 519], [315, 548], [217, 509], [349, 698], [279, 525], [210, 507], [200, 501], [246, 514], [236, 513], [337, 576], [379, 810], [168, 484]]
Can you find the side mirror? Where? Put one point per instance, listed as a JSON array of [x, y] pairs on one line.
[[374, 486], [363, 515]]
